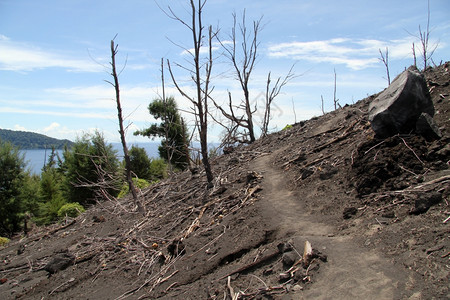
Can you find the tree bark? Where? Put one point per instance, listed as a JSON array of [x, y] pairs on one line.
[[122, 131]]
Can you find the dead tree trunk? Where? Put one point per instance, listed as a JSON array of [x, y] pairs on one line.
[[384, 58], [243, 57], [122, 130], [200, 74], [271, 94]]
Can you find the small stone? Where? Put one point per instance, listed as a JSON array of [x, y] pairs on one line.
[[289, 258], [425, 201], [307, 172], [328, 173], [349, 212], [426, 127], [268, 271], [297, 288], [99, 219], [59, 262], [284, 247], [283, 277], [389, 215]]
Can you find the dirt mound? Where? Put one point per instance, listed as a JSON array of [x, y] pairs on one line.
[[374, 211]]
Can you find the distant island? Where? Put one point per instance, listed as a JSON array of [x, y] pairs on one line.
[[29, 140]]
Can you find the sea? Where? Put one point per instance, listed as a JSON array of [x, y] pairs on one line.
[[37, 158]]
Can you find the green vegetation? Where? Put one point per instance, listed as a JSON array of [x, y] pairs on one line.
[[3, 241], [90, 161], [287, 127], [173, 131], [89, 171], [31, 140], [12, 179], [145, 168], [72, 210], [138, 183]]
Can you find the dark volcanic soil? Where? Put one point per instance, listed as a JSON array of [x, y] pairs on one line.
[[375, 212]]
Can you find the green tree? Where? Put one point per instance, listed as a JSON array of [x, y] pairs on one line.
[[140, 163], [144, 167], [30, 194], [51, 197], [90, 166], [172, 130], [12, 176]]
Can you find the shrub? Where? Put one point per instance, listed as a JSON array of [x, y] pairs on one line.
[[3, 241], [140, 163], [287, 127], [158, 169], [72, 210], [138, 183], [90, 165]]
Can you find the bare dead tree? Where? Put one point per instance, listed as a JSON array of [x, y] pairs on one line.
[[115, 84], [200, 74], [271, 94], [384, 58], [293, 109], [242, 56], [335, 100], [426, 50], [322, 106], [165, 116]]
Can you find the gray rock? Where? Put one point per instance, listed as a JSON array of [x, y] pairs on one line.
[[425, 201], [306, 172], [426, 127], [397, 108], [59, 262], [289, 258]]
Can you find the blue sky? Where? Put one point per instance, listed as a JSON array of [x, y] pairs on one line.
[[54, 57]]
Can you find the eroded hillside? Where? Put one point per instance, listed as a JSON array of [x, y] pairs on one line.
[[375, 212]]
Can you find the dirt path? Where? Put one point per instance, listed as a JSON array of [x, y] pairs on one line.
[[352, 272]]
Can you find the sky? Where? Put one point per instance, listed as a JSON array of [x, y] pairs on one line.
[[55, 54]]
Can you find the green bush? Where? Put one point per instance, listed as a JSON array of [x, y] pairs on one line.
[[158, 169], [3, 241], [139, 183], [140, 163], [287, 127], [72, 210], [89, 161]]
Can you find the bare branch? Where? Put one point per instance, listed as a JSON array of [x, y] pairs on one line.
[[384, 58], [271, 94]]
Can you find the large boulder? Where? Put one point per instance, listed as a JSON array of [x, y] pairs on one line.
[[397, 108]]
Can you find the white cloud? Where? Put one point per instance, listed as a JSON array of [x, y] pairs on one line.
[[356, 54], [71, 114], [16, 56], [19, 128], [52, 127]]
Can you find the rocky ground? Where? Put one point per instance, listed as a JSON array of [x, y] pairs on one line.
[[374, 211]]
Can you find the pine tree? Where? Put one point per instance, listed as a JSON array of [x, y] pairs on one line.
[[172, 130]]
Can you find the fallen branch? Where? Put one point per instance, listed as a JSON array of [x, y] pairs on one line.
[[407, 146], [53, 231], [231, 290], [253, 264], [346, 133]]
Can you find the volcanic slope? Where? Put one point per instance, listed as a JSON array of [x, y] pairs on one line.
[[374, 211]]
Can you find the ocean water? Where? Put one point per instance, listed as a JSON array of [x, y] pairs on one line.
[[37, 158]]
